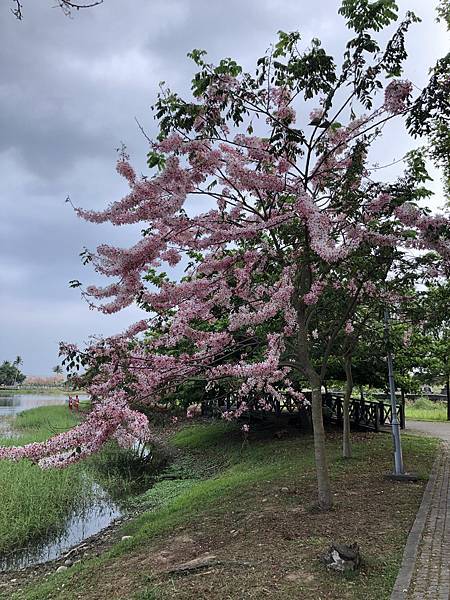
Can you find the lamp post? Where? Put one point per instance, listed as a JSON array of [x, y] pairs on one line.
[[399, 470], [398, 457]]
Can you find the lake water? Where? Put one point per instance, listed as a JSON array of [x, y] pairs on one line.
[[12, 404], [82, 523]]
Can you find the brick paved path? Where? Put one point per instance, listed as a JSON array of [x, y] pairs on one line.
[[425, 570]]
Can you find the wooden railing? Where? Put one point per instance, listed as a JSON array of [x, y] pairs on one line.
[[364, 414]]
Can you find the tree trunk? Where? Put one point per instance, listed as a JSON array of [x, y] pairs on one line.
[[323, 479], [346, 446]]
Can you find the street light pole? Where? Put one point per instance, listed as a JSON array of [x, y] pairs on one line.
[[398, 458], [447, 389]]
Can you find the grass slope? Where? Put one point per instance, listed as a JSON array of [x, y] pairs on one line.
[[256, 514]]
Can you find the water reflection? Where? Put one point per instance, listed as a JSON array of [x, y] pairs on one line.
[[80, 525], [12, 404], [96, 512]]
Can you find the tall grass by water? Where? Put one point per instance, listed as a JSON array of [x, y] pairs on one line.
[[33, 501]]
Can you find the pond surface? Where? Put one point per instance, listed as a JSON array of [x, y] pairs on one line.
[[83, 522], [12, 404]]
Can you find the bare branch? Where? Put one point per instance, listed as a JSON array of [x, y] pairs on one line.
[[65, 5], [17, 11]]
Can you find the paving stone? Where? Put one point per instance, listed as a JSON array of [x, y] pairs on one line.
[[425, 570]]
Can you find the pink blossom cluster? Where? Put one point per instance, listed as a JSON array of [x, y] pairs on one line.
[[396, 95], [378, 204], [349, 328], [109, 419], [316, 114], [312, 297]]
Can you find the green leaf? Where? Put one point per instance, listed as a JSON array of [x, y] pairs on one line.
[[155, 159]]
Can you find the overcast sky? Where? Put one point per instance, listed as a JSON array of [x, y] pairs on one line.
[[69, 92]]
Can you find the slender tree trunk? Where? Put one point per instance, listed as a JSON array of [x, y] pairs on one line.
[[304, 362], [323, 479], [346, 446]]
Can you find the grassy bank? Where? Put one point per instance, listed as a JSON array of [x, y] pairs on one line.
[[252, 506], [33, 501], [426, 410]]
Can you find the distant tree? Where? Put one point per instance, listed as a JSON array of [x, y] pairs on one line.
[[433, 327], [58, 370], [10, 374], [17, 363]]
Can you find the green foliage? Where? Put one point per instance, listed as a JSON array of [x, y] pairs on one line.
[[10, 373], [430, 341], [443, 11], [189, 466], [155, 159], [430, 115], [163, 493], [205, 436], [311, 72], [44, 421], [362, 15], [124, 472], [147, 594], [425, 404]]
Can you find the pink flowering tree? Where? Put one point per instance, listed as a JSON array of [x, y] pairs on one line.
[[262, 187]]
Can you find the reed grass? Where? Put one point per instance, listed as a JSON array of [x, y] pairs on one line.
[[34, 502]]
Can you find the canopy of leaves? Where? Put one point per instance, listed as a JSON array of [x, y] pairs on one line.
[[10, 374]]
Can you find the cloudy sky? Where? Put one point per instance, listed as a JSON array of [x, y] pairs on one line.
[[70, 90]]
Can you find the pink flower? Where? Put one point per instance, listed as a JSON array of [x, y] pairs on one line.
[[396, 95], [316, 115], [194, 410], [348, 328]]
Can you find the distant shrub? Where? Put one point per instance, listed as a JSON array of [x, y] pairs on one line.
[[426, 404]]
